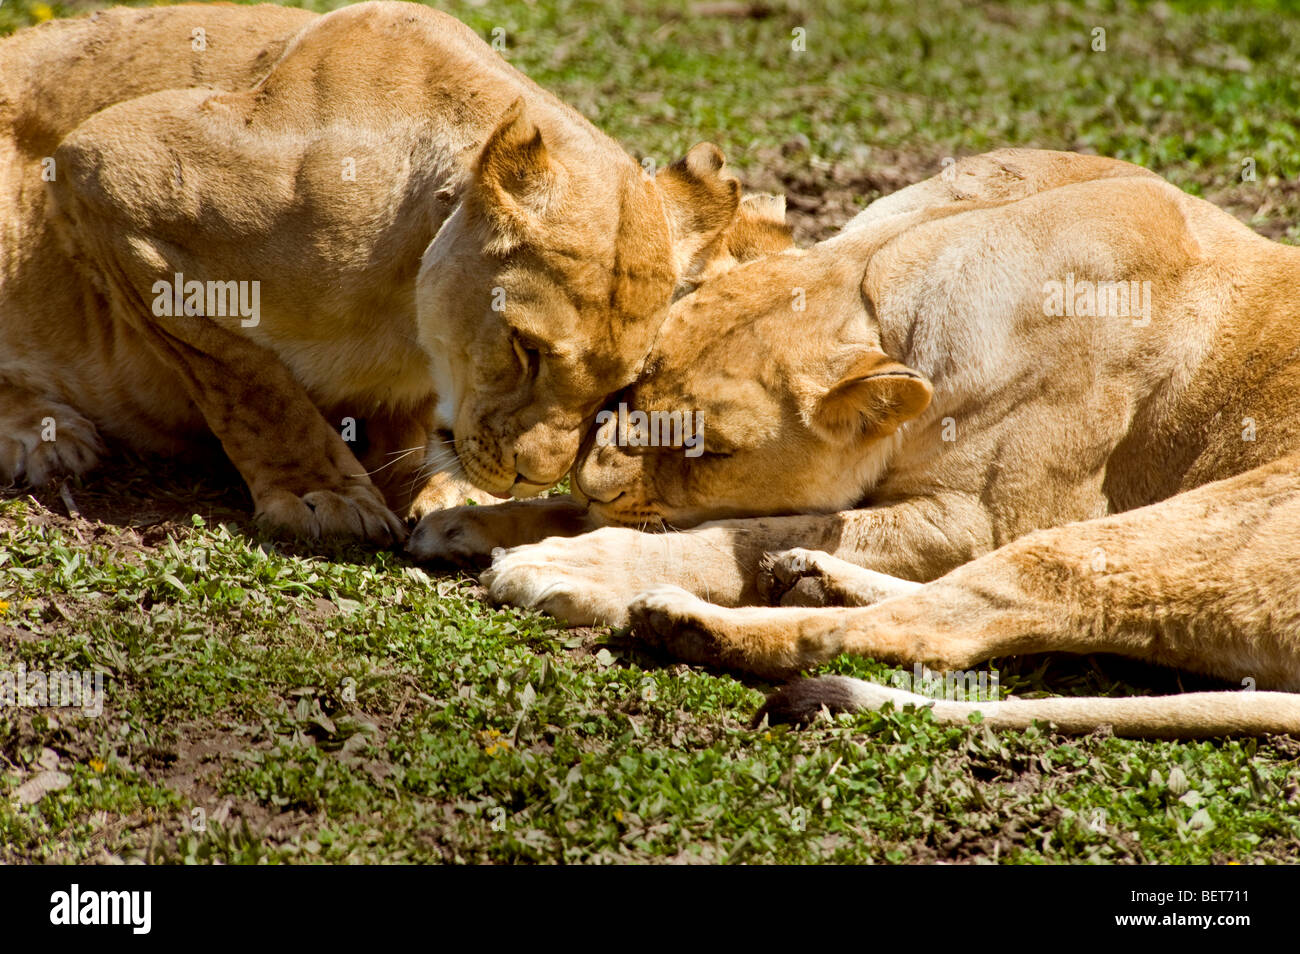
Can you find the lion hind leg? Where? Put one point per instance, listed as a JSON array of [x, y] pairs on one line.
[[42, 439]]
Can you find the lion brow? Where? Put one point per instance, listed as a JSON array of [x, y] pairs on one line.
[[619, 268]]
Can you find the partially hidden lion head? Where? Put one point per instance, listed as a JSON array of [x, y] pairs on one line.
[[541, 295], [785, 401]]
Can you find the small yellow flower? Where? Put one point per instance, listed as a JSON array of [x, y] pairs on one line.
[[500, 745], [767, 736], [97, 765], [4, 607], [42, 12], [493, 741], [618, 814]]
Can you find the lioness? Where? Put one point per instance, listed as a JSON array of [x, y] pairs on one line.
[[269, 225], [1060, 397]]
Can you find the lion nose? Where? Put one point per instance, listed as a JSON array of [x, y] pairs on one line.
[[543, 455], [604, 475], [604, 495]]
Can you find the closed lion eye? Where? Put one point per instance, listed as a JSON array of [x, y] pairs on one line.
[[526, 350]]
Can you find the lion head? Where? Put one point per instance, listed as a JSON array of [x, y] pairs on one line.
[[541, 295], [767, 392]]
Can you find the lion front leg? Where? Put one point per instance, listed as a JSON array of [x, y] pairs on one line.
[[110, 196], [304, 479], [1196, 582], [469, 535], [446, 490], [591, 579], [43, 439], [767, 642]]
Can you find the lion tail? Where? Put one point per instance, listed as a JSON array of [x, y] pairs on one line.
[[1191, 715]]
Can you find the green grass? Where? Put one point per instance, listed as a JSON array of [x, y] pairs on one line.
[[268, 704], [349, 707]]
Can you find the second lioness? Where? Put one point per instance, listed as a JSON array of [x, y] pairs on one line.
[[1050, 402]]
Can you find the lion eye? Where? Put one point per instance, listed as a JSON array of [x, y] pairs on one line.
[[526, 351]]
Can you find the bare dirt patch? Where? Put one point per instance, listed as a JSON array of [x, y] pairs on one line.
[[822, 196]]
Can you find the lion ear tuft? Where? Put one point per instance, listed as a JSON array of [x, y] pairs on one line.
[[701, 199], [516, 177], [874, 397]]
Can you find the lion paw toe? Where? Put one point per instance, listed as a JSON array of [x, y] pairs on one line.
[[353, 514]]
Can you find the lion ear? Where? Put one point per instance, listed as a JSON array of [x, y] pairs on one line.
[[764, 207], [516, 177], [760, 228], [701, 200], [873, 398]]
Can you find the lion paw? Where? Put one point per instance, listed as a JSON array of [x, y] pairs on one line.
[[796, 578], [50, 440], [800, 577], [671, 619], [564, 577], [357, 513], [459, 536]]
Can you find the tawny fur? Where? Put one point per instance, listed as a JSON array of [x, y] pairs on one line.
[[413, 208], [992, 478]]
